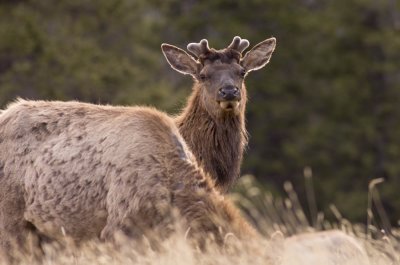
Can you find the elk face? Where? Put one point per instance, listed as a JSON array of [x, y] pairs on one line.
[[220, 73], [222, 87]]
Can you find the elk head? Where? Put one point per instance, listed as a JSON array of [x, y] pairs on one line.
[[220, 73]]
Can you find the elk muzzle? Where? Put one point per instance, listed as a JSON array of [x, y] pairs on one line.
[[229, 93], [229, 97]]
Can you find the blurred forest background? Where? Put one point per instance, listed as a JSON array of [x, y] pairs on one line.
[[328, 100]]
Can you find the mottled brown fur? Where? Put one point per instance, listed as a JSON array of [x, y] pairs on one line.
[[90, 170], [217, 136]]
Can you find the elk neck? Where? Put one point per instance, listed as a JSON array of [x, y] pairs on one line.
[[218, 143]]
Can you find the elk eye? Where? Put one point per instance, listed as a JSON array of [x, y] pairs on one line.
[[203, 77], [242, 73]]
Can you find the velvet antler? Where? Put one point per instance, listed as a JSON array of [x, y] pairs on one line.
[[198, 49], [239, 44], [201, 48]]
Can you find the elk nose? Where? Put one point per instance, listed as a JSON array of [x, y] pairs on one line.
[[229, 93]]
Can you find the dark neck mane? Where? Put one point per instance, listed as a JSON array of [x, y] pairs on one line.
[[217, 143]]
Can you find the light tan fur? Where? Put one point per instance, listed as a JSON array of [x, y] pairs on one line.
[[90, 170]]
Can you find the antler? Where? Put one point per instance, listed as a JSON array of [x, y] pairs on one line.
[[239, 44], [199, 48]]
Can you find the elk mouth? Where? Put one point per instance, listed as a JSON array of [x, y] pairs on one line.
[[229, 105]]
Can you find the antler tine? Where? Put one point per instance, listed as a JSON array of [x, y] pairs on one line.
[[239, 44], [199, 48]]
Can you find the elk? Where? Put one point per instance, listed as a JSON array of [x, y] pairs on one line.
[[213, 121], [89, 171]]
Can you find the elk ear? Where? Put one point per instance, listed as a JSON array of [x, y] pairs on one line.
[[179, 60], [259, 56]]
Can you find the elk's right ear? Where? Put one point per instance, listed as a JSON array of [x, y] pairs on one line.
[[180, 60]]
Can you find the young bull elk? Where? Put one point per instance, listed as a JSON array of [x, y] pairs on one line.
[[213, 122]]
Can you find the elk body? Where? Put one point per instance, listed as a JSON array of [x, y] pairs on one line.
[[88, 171], [213, 121]]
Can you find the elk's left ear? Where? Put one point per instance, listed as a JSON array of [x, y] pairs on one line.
[[179, 60], [259, 56]]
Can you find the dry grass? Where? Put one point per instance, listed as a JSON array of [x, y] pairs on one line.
[[268, 215]]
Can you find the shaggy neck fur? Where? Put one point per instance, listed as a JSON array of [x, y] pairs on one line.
[[217, 142]]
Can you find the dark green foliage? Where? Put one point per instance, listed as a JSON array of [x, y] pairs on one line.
[[329, 98]]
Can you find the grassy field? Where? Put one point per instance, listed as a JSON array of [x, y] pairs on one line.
[[355, 244]]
